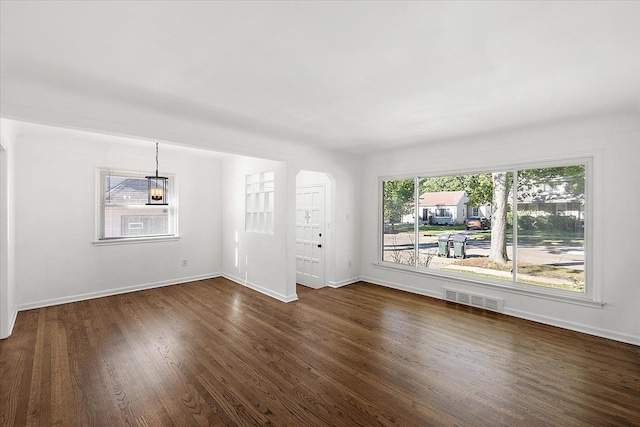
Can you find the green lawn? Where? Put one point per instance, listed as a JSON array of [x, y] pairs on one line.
[[572, 279], [436, 230]]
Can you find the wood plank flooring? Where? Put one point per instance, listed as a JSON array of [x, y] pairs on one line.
[[215, 353]]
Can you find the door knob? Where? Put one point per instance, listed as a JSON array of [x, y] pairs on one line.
[[320, 245]]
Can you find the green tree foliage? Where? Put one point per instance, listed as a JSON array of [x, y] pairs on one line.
[[397, 199], [479, 187], [572, 177], [493, 188], [529, 182]]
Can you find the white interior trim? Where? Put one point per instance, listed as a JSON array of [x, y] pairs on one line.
[[135, 240], [592, 295], [573, 326], [547, 320], [116, 291], [550, 294], [342, 283], [7, 319], [260, 289]]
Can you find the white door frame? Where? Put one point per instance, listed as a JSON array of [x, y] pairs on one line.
[[319, 240], [4, 247]]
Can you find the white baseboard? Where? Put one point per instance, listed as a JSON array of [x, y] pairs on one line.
[[578, 327], [261, 289], [12, 322], [573, 326], [345, 282], [109, 292], [402, 287]]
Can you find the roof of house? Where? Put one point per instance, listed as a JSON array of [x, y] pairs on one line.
[[444, 198], [129, 191]]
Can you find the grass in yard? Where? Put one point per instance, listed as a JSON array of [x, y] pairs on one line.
[[549, 240], [574, 278], [398, 228], [481, 235], [426, 230], [436, 230]]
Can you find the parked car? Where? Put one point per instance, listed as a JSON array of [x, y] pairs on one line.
[[478, 223]]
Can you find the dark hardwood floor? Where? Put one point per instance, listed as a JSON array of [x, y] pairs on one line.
[[215, 353]]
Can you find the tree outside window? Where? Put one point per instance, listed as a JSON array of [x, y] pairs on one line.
[[547, 242]]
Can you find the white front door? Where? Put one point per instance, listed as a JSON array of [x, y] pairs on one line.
[[310, 236]]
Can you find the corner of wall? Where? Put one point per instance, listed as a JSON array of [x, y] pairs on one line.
[[8, 308]]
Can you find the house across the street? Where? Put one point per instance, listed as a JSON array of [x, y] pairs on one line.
[[446, 208]]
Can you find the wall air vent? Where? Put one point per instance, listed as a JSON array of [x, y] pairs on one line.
[[464, 298], [475, 300], [450, 295], [493, 304]]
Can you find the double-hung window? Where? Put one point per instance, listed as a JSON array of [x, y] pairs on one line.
[[525, 228], [123, 210]]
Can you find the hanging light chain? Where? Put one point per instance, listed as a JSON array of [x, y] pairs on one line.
[[157, 185]]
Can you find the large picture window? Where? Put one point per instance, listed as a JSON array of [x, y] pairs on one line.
[[124, 213], [524, 226]]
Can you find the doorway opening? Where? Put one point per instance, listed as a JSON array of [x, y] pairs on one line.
[[313, 229]]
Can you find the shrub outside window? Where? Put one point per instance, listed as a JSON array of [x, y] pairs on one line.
[[520, 227]]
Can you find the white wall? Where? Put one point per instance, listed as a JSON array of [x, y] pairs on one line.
[[8, 306], [615, 143], [256, 260], [312, 178], [56, 260], [266, 262], [192, 130]]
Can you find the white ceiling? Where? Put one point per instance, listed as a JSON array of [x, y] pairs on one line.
[[350, 76]]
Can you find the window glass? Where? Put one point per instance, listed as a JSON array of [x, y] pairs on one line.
[[551, 213], [259, 202], [398, 206], [466, 225], [124, 209]]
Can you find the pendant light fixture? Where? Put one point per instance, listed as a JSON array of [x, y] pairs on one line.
[[157, 187]]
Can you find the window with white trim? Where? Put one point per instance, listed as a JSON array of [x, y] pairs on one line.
[[124, 213], [259, 202], [545, 250]]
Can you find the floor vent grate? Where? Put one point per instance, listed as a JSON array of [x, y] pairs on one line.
[[475, 300]]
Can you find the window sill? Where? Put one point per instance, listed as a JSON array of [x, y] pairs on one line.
[[521, 289], [135, 240]]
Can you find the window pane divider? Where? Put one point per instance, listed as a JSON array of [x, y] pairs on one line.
[[514, 227], [416, 222]]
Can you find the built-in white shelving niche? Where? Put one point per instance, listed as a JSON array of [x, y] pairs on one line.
[[259, 202]]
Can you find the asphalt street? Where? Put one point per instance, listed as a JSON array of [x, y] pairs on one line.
[[553, 254]]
